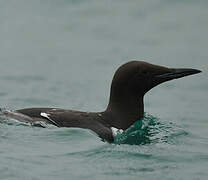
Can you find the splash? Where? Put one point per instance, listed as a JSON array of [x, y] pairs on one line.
[[149, 130]]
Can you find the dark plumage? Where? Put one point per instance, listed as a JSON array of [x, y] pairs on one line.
[[130, 83]]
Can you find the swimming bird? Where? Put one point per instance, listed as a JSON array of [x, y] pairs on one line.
[[129, 85]]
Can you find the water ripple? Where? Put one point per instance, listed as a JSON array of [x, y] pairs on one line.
[[150, 130]]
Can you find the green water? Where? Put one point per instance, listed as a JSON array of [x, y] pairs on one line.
[[63, 53]]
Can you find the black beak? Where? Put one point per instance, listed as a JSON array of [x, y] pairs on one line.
[[176, 73]]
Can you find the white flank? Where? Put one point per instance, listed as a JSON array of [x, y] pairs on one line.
[[115, 131]]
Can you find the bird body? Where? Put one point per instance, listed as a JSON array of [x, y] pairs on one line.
[[129, 85]]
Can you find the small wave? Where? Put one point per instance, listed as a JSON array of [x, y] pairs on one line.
[[149, 130]]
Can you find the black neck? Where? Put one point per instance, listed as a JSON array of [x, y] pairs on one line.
[[123, 114]]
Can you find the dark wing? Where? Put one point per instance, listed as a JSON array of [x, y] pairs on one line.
[[59, 117], [39, 114], [70, 118], [34, 112]]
